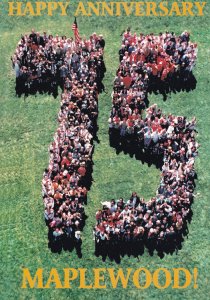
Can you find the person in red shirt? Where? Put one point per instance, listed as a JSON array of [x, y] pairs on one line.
[[82, 169]]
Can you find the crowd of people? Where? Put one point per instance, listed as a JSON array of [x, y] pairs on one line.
[[157, 55], [68, 177], [162, 219], [42, 62]]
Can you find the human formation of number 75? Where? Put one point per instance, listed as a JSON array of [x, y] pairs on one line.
[[161, 63]]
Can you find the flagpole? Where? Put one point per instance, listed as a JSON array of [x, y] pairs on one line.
[[76, 31]]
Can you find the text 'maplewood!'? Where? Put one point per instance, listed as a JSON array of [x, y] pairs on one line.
[[104, 278]]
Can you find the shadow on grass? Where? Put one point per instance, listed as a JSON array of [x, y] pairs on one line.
[[66, 243], [33, 87], [184, 81], [118, 248], [50, 86], [135, 148]]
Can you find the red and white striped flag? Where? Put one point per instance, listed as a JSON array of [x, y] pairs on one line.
[[76, 31]]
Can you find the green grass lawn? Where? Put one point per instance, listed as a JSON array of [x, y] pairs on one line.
[[27, 128]]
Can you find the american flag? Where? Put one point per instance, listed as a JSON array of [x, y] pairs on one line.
[[76, 31]]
